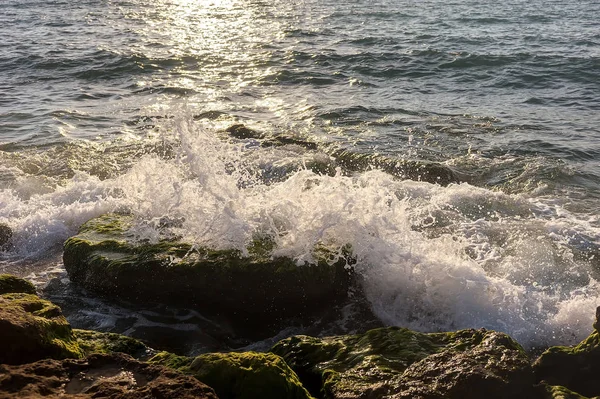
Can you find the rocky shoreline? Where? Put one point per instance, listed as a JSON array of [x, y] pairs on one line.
[[41, 355]]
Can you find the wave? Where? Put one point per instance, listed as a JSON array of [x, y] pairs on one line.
[[432, 257]]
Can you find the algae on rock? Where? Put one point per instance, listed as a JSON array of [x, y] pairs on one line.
[[10, 283], [33, 328], [560, 392], [245, 375], [399, 363], [576, 368], [104, 257], [104, 342]]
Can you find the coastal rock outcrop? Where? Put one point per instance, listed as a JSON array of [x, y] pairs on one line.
[[240, 131], [12, 284], [113, 376], [244, 375], [91, 342], [427, 171], [33, 328], [575, 368], [41, 355], [399, 363], [331, 158], [258, 288]]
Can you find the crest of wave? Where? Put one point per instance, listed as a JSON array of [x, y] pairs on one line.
[[422, 282]]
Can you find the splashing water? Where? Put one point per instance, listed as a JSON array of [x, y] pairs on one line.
[[429, 257]]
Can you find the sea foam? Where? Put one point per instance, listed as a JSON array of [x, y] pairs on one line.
[[429, 257]]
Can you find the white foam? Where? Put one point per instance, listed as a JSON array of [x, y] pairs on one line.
[[432, 258]]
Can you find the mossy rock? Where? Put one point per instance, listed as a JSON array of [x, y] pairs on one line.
[[33, 328], [246, 375], [427, 171], [10, 283], [240, 131], [559, 392], [104, 257], [104, 342], [574, 367], [399, 363]]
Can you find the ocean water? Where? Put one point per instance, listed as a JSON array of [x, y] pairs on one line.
[[121, 105]]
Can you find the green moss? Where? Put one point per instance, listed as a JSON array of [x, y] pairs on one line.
[[560, 392], [33, 328], [248, 375], [102, 342], [390, 349], [353, 363], [244, 375], [373, 362], [33, 304], [575, 368], [167, 359], [10, 283], [590, 344], [107, 225], [104, 257]]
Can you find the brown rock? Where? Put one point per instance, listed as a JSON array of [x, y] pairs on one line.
[[115, 376], [5, 236], [397, 363]]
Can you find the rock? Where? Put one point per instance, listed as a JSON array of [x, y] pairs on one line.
[[495, 367], [245, 375], [32, 328], [240, 131], [103, 342], [10, 283], [282, 139], [5, 236], [558, 392], [427, 171], [398, 363], [255, 289], [113, 376], [576, 368]]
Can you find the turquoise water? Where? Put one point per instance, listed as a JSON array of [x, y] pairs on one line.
[[121, 105]]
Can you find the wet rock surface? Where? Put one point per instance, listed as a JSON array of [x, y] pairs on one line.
[[42, 356], [12, 284], [350, 161], [98, 376], [244, 375], [575, 368], [399, 363], [240, 131], [5, 236], [255, 289], [32, 328]]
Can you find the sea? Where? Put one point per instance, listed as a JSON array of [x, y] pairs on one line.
[[124, 106]]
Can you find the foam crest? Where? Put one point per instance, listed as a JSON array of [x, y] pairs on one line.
[[430, 257], [42, 222]]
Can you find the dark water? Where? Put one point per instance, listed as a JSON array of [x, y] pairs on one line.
[[120, 105]]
